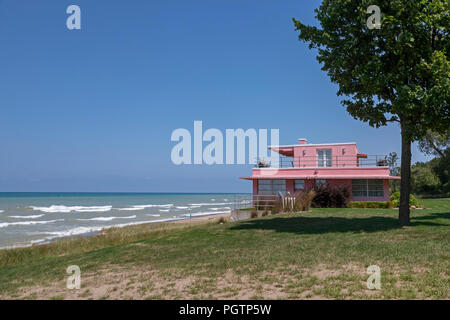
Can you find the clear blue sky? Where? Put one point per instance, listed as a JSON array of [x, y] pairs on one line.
[[93, 109]]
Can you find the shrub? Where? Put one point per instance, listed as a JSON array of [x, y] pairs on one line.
[[265, 213], [277, 206], [395, 200], [303, 200], [369, 204], [254, 214], [222, 220], [327, 196]]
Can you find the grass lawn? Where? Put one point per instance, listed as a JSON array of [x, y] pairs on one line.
[[319, 254]]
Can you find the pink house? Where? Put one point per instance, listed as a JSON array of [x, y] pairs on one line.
[[304, 165]]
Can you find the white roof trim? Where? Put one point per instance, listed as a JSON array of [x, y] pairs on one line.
[[313, 144], [322, 168]]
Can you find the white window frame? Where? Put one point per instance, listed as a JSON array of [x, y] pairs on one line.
[[271, 186], [300, 182], [324, 158], [373, 188]]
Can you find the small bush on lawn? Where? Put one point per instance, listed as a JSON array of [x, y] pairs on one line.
[[395, 199], [303, 200], [327, 196], [222, 220], [254, 214], [368, 204]]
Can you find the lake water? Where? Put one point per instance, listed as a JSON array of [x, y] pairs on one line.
[[33, 218]]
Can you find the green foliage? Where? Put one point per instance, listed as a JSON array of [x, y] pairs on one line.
[[392, 160], [424, 180], [434, 143], [395, 200], [327, 196], [369, 204], [399, 72], [432, 177]]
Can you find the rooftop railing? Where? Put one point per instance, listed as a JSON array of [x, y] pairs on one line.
[[325, 162]]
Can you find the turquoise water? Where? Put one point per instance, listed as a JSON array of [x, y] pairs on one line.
[[34, 218]]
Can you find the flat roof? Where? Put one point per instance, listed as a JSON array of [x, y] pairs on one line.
[[312, 144], [320, 177]]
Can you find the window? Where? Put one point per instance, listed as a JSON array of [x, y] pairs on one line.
[[271, 186], [367, 188], [320, 182], [299, 185], [324, 158]]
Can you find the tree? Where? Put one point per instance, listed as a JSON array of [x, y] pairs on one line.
[[392, 160], [394, 170], [398, 73], [434, 143], [423, 179]]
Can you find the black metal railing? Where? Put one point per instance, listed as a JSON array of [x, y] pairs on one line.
[[324, 162], [257, 201]]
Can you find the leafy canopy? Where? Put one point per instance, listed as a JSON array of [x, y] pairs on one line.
[[399, 72]]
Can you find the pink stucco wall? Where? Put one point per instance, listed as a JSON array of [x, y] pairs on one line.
[[343, 155], [323, 173], [344, 168]]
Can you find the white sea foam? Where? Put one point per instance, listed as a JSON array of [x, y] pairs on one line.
[[107, 218], [142, 207], [67, 209], [153, 215], [154, 205], [221, 208], [164, 210], [210, 204], [130, 209], [1, 211], [181, 207], [26, 223], [27, 217]]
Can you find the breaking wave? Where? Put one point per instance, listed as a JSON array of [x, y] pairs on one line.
[[27, 217], [107, 218], [67, 209], [26, 223]]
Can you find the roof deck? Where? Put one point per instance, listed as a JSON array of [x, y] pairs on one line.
[[342, 161], [323, 155]]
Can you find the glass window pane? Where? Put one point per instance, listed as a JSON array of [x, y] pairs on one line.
[[299, 184]]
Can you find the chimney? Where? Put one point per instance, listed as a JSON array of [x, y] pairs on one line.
[[302, 141]]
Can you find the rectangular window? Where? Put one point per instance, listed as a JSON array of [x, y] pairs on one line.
[[299, 184], [320, 182], [271, 186], [324, 158], [368, 188]]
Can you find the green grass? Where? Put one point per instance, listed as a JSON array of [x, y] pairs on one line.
[[323, 253]]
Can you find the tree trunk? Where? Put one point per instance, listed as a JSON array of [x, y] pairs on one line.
[[405, 172]]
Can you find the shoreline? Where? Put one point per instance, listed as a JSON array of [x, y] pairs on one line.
[[186, 220]]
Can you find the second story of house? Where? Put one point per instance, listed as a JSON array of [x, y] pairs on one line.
[[324, 155]]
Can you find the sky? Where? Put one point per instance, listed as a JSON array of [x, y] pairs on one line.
[[93, 110]]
